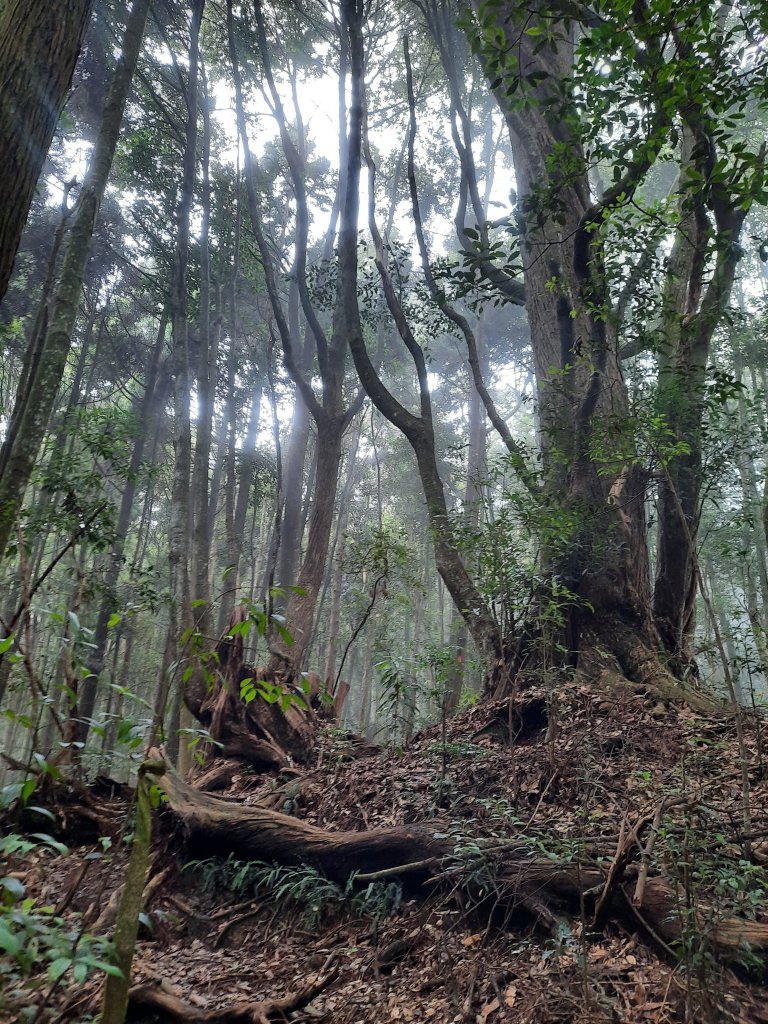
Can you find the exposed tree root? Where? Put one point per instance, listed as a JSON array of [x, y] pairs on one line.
[[219, 775], [538, 888], [269, 835], [636, 662], [265, 1012], [613, 652]]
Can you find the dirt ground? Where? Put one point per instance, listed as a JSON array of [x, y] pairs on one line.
[[571, 772]]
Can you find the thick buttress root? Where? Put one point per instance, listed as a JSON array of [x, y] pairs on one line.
[[538, 889]]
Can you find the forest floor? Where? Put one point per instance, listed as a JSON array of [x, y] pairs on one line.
[[586, 776]]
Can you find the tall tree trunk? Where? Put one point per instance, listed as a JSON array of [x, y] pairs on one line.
[[418, 429], [205, 395], [600, 557], [39, 45], [337, 574], [294, 459], [37, 400], [691, 314], [458, 632], [329, 413], [239, 485], [181, 620], [301, 603], [147, 426]]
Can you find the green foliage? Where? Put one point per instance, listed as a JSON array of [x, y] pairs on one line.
[[40, 947], [301, 889], [33, 939], [274, 693]]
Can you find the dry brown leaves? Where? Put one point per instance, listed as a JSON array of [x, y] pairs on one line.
[[603, 759]]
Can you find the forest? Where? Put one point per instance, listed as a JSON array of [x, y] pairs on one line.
[[384, 511]]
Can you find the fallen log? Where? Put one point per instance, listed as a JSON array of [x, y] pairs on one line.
[[263, 1012], [533, 888], [269, 835]]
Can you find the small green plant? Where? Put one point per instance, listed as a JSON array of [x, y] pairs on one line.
[[34, 938], [469, 699], [564, 943], [377, 900], [274, 693], [298, 888], [40, 948]]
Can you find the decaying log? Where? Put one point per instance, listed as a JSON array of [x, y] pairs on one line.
[[536, 888], [264, 1012]]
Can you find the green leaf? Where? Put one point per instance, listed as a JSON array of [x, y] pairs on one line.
[[59, 967], [50, 841], [114, 620], [108, 968], [5, 643], [8, 941], [12, 886], [286, 636]]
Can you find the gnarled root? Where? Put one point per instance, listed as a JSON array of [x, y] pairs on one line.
[[264, 1012], [539, 888]]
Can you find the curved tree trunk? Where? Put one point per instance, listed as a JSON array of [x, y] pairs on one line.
[[329, 412]]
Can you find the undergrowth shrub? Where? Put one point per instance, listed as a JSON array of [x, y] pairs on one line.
[[300, 888], [41, 949]]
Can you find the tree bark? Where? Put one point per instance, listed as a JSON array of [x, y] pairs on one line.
[[293, 462], [147, 425], [206, 391], [39, 45], [691, 321], [180, 618], [597, 554], [56, 28], [337, 575]]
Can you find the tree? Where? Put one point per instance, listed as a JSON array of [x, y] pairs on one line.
[[548, 72], [39, 44], [332, 417], [47, 354]]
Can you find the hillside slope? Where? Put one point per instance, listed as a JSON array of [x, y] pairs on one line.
[[627, 796]]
